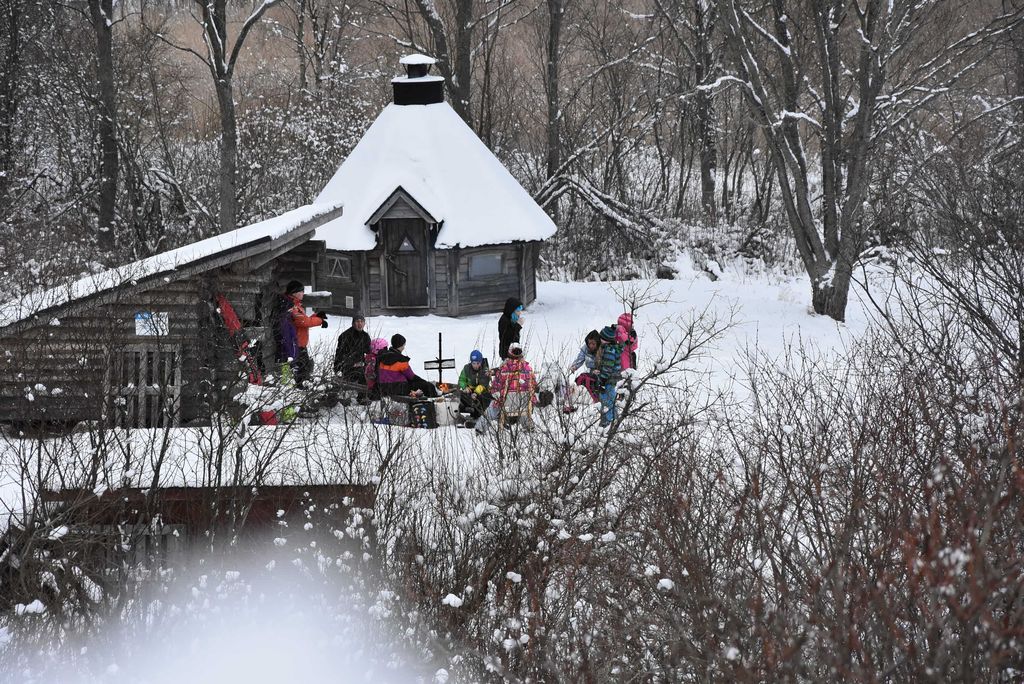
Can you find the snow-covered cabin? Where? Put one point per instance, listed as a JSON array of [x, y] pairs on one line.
[[433, 222], [145, 344]]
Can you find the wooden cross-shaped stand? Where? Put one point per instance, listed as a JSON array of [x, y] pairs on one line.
[[440, 363]]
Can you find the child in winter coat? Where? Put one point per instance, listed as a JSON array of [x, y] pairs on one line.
[[626, 334], [587, 359], [394, 375], [608, 372], [473, 381], [370, 365], [513, 376]]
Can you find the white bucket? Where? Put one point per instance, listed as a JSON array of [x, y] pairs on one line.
[[447, 409]]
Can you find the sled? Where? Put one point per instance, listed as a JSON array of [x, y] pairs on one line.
[[516, 405]]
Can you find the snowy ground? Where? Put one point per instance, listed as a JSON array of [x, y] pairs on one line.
[[769, 314]]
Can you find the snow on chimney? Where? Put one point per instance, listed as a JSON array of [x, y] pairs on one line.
[[418, 87]]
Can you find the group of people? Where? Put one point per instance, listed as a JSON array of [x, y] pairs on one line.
[[604, 357], [380, 367], [384, 370]]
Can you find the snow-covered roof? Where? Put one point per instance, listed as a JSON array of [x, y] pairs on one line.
[[272, 229], [417, 79], [429, 152], [417, 58]]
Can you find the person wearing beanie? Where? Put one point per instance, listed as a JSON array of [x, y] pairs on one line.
[[608, 372], [586, 359], [377, 346], [626, 334], [395, 377], [292, 331], [514, 378], [474, 396], [353, 346]]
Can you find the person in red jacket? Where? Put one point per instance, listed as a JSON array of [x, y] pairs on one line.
[[303, 363]]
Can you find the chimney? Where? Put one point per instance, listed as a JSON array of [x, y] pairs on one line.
[[418, 87]]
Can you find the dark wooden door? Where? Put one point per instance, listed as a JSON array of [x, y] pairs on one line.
[[406, 256]]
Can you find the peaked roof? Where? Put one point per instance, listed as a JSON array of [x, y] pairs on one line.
[[198, 256], [431, 154]]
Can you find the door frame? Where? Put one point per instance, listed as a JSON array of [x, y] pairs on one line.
[[427, 258]]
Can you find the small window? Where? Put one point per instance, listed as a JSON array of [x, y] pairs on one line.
[[406, 246], [339, 268], [484, 265]]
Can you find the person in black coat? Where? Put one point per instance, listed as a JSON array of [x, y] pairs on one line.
[[509, 326], [353, 346]]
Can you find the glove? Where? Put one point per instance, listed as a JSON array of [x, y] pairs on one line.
[[479, 389]]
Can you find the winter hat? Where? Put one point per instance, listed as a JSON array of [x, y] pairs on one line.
[[608, 333], [397, 340], [475, 356], [378, 345], [358, 317], [294, 286], [515, 350], [626, 321]]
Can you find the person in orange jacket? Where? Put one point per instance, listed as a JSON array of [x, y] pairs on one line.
[[303, 363]]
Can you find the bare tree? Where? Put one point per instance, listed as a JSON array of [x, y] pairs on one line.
[[837, 77], [221, 59], [693, 26], [101, 17]]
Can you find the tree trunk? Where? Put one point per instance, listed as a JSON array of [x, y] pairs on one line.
[[830, 296], [9, 96], [228, 154], [463, 67], [455, 64], [300, 43], [704, 64], [556, 13], [101, 15], [1018, 54], [708, 154]]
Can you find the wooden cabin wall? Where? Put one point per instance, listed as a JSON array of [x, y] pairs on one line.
[[74, 356], [63, 365], [341, 288], [528, 271], [454, 293], [439, 301], [300, 263], [488, 295], [375, 283]]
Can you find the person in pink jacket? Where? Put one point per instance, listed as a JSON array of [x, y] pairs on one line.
[[513, 376], [626, 334]]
